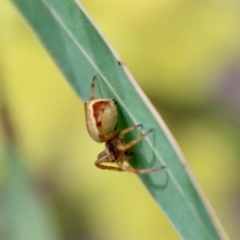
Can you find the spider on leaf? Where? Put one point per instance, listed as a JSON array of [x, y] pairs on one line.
[[101, 120]]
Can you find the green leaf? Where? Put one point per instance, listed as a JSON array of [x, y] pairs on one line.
[[81, 52]]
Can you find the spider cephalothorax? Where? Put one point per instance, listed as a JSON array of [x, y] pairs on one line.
[[101, 119]]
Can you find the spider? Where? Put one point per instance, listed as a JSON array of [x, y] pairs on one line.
[[101, 120]]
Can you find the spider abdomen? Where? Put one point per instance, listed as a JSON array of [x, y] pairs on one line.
[[102, 118]]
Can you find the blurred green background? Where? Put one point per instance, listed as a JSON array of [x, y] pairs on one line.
[[185, 55]]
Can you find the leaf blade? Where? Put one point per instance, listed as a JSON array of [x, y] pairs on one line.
[[79, 44]]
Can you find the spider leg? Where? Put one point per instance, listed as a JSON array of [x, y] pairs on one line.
[[105, 167], [127, 130], [124, 157], [141, 171], [104, 159], [124, 147], [92, 88]]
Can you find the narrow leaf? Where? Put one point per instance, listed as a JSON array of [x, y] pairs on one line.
[[81, 53]]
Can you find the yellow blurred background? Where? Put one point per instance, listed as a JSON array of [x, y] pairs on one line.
[[185, 55]]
